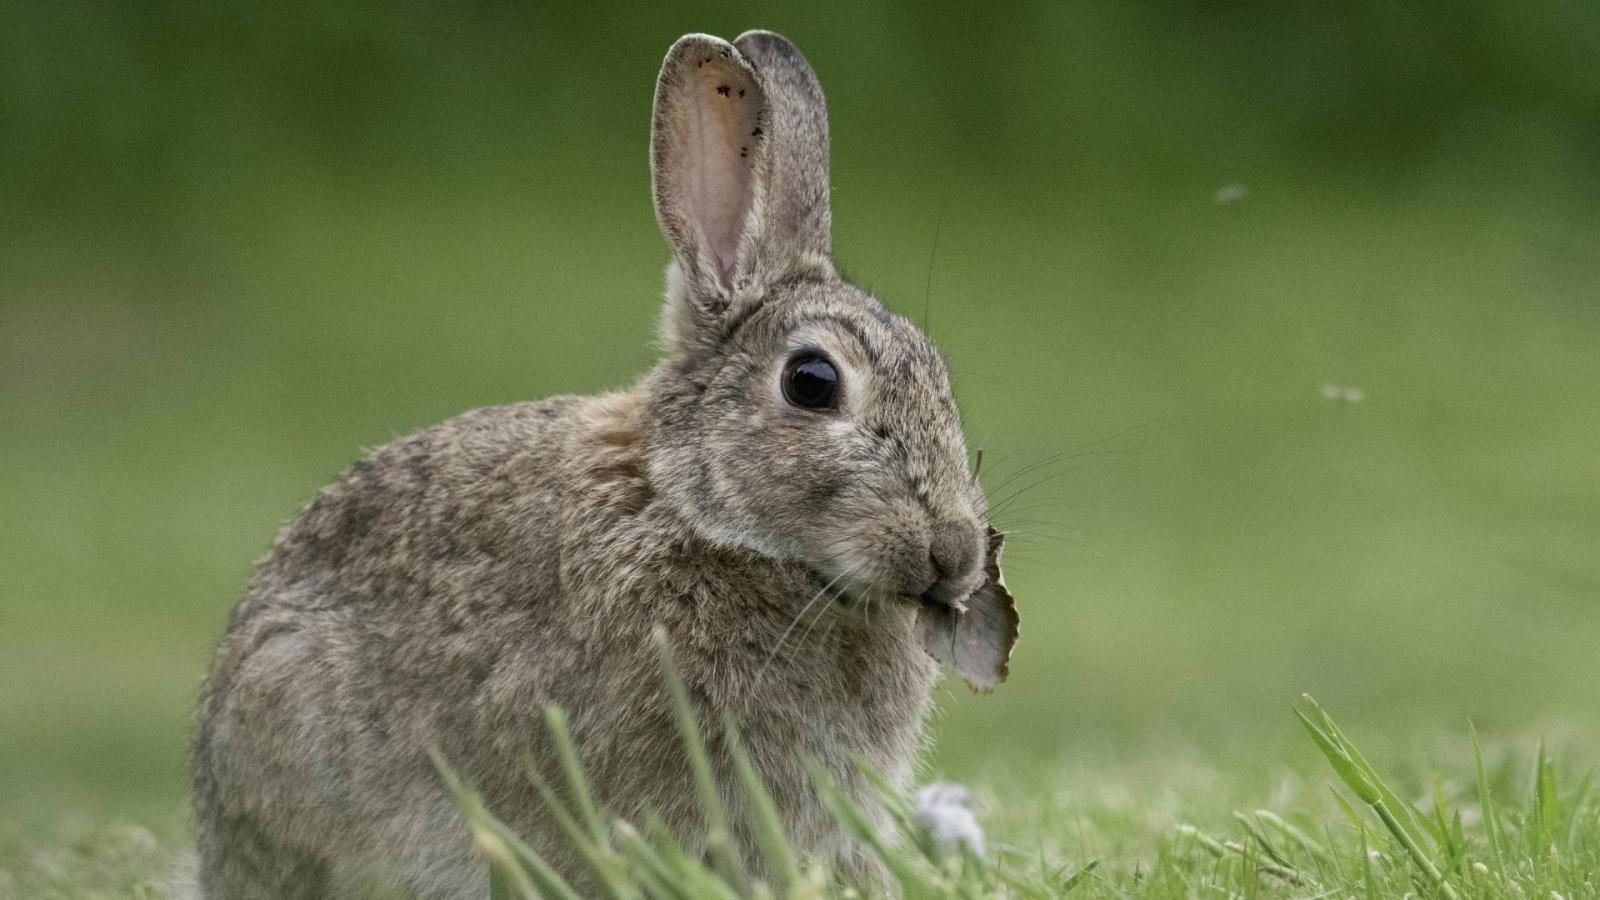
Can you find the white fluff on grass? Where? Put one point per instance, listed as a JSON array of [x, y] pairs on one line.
[[1231, 193], [1339, 393], [944, 813]]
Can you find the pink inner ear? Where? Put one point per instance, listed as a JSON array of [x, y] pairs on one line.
[[722, 134]]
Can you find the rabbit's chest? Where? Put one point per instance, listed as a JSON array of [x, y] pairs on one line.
[[804, 676], [820, 678]]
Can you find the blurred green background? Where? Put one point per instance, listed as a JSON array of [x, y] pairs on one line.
[[240, 241]]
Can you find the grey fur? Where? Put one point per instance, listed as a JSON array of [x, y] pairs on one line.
[[454, 582]]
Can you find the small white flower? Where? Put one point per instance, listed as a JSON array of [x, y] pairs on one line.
[[944, 813]]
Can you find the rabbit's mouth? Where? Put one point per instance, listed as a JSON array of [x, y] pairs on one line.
[[855, 595]]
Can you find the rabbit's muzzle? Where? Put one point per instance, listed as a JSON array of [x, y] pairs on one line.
[[955, 554], [900, 551]]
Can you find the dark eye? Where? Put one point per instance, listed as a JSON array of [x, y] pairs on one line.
[[811, 382]]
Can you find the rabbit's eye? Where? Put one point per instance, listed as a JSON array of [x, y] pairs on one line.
[[811, 382]]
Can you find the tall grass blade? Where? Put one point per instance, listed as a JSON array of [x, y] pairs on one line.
[[1401, 808], [598, 857], [1363, 780], [1446, 828], [1546, 804], [577, 785], [1345, 767], [690, 874], [719, 840], [499, 887], [1577, 826], [780, 862], [856, 822], [648, 868], [1350, 812], [1368, 878], [1486, 807], [521, 873]]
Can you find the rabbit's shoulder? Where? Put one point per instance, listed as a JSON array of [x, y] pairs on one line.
[[488, 488]]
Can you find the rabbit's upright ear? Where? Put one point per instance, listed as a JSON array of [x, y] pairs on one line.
[[795, 232], [739, 172]]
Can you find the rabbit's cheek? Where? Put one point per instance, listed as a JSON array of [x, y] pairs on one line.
[[890, 551]]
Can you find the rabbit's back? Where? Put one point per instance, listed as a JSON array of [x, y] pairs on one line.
[[415, 600]]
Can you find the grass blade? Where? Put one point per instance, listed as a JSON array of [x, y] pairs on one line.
[[1345, 767], [518, 870], [578, 786], [1546, 805], [599, 857], [690, 874], [719, 841], [857, 823], [1259, 835], [1403, 810], [1363, 780], [1078, 876], [1368, 878], [648, 868], [780, 862], [1306, 842], [1576, 823], [1253, 863], [1486, 807]]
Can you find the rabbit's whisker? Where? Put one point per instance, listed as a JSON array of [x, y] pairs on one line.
[[821, 614], [773, 655], [1031, 486]]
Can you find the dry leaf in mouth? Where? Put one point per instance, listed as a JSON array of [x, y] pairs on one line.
[[974, 639]]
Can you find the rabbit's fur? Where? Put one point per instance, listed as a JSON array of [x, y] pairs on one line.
[[456, 581]]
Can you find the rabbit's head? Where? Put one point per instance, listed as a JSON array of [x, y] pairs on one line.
[[794, 415]]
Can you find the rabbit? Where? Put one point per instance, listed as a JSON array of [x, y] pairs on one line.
[[778, 497]]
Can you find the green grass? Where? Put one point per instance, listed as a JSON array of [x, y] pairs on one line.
[[1449, 820], [1543, 842]]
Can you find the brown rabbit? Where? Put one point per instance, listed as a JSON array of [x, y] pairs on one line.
[[780, 495]]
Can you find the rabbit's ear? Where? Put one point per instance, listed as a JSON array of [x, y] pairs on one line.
[[739, 171], [705, 140], [796, 227]]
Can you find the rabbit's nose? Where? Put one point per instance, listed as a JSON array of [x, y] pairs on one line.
[[953, 550]]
